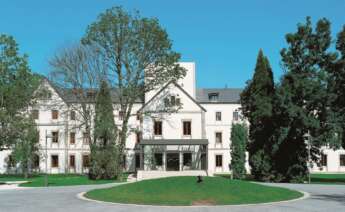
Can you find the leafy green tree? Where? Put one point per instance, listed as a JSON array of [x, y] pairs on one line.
[[103, 149], [239, 139], [302, 106], [26, 147], [137, 55], [17, 85], [337, 86], [257, 106]]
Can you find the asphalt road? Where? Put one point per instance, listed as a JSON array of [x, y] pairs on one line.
[[329, 198]]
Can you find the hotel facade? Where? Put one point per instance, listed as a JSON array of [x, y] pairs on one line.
[[193, 140]]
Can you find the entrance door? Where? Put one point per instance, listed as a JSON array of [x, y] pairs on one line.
[[173, 161]]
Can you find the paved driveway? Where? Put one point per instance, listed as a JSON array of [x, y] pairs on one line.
[[329, 198]]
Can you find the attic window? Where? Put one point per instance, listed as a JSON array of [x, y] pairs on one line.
[[213, 96], [172, 101], [90, 94]]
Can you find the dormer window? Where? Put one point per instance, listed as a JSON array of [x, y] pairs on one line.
[[90, 94], [213, 97]]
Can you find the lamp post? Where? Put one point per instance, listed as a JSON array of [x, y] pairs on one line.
[[46, 160], [309, 155]]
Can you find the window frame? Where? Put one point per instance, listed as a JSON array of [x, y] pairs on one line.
[[235, 116], [55, 114], [53, 164], [35, 114], [69, 161], [158, 129], [221, 137], [155, 158], [218, 118], [70, 138], [83, 161], [188, 130], [324, 160], [217, 161], [72, 115], [86, 139], [342, 159], [55, 138]]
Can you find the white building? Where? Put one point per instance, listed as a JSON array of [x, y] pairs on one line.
[[194, 140]]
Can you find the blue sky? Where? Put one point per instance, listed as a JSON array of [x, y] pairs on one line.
[[222, 36]]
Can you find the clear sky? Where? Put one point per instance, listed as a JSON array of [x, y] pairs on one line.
[[222, 36]]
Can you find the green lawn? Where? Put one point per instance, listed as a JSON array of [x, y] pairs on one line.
[[186, 191], [55, 180], [328, 178]]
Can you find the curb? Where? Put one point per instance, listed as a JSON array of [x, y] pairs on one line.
[[306, 195]]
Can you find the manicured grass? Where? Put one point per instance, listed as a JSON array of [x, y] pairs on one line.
[[55, 180], [186, 191], [328, 178]]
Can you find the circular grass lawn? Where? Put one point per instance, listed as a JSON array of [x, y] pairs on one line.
[[186, 191]]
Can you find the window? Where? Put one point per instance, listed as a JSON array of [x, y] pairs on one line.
[[86, 138], [218, 116], [72, 161], [219, 160], [55, 114], [55, 161], [342, 160], [36, 161], [323, 160], [72, 115], [213, 96], [235, 115], [137, 160], [172, 101], [86, 161], [158, 128], [187, 128], [158, 159], [55, 137], [138, 137], [72, 138], [187, 159], [90, 94], [121, 113], [35, 114], [219, 138], [10, 162]]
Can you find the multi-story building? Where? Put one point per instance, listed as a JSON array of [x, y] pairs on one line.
[[194, 139]]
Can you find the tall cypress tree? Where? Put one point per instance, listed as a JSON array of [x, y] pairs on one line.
[[239, 138], [302, 106], [103, 148], [257, 106]]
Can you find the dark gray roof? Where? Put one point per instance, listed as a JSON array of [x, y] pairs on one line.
[[225, 95]]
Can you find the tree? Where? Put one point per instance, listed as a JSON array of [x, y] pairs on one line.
[[302, 106], [17, 84], [26, 147], [138, 58], [103, 149], [337, 86], [239, 138], [257, 106]]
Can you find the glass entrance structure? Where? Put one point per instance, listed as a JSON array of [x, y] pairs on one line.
[[173, 154]]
